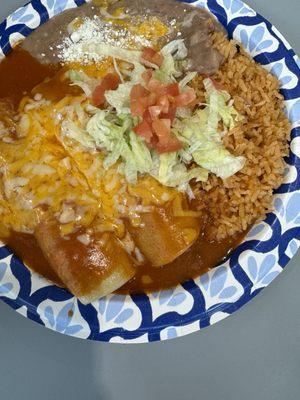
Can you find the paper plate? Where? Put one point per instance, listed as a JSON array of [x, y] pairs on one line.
[[201, 302]]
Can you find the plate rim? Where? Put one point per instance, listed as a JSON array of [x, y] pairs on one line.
[[189, 326]]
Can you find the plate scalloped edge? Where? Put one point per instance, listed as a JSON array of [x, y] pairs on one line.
[[212, 297]]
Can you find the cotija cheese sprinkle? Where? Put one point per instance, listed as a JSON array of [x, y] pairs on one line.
[[92, 31]]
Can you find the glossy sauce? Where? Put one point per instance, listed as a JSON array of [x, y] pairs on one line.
[[201, 257], [20, 73]]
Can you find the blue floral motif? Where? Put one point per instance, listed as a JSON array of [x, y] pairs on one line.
[[219, 285], [62, 322], [256, 230], [292, 211], [113, 309], [255, 41], [5, 288], [262, 273], [3, 268], [217, 280], [118, 310], [171, 334], [22, 15], [278, 70], [19, 13], [170, 298], [145, 318], [293, 247], [279, 207], [57, 5], [235, 7], [294, 111]]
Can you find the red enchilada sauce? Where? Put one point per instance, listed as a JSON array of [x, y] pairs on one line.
[[201, 257], [19, 74]]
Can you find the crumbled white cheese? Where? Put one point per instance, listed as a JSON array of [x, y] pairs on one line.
[[95, 31], [67, 215], [139, 256], [10, 185], [84, 239]]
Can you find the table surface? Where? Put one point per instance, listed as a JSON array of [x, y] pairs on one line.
[[255, 353]]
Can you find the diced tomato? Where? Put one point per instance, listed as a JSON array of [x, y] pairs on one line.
[[173, 144], [154, 86], [167, 142], [170, 114], [152, 56], [111, 81], [164, 103], [162, 128], [144, 130], [162, 89], [155, 111], [152, 98], [185, 98], [173, 89], [138, 91], [147, 75], [138, 100], [147, 117]]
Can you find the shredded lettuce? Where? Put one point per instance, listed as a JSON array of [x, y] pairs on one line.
[[170, 171], [79, 78], [220, 109], [189, 77], [120, 98], [112, 131], [106, 50], [175, 48], [174, 53], [115, 135], [203, 141]]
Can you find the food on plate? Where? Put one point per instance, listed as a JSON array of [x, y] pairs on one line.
[[138, 145]]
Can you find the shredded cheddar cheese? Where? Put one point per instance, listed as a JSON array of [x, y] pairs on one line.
[[45, 173]]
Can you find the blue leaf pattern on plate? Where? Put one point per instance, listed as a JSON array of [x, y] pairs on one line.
[[294, 113], [63, 318], [113, 308], [115, 311], [3, 268], [279, 207], [124, 316], [252, 266], [204, 279], [218, 280], [18, 14], [293, 207], [73, 330], [172, 333], [269, 278], [5, 289], [228, 292], [50, 316], [256, 230], [165, 295], [262, 271], [177, 299], [257, 40], [293, 247], [267, 264], [57, 5]]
